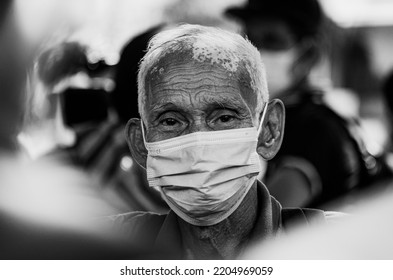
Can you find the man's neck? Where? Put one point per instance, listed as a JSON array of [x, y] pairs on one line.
[[226, 239]]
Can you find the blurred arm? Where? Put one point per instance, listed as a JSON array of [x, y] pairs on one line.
[[295, 182]]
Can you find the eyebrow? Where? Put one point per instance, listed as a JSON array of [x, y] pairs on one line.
[[212, 102], [225, 101], [162, 106]]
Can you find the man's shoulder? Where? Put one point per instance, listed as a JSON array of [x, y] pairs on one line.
[[136, 218], [291, 217]]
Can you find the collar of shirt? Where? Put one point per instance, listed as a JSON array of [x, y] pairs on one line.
[[268, 223]]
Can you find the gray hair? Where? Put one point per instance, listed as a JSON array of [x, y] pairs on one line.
[[206, 44]]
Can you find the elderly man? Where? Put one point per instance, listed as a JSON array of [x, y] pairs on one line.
[[205, 120]]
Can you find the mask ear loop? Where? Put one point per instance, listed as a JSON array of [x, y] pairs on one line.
[[143, 133], [262, 119]]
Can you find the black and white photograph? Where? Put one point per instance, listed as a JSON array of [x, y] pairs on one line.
[[244, 134]]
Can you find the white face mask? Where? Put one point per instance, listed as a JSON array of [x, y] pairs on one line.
[[278, 65], [204, 176]]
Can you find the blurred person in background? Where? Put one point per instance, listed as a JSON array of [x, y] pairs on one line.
[[387, 91], [46, 209], [322, 156], [365, 235], [85, 122], [14, 56], [74, 122], [206, 118], [57, 69], [68, 104]]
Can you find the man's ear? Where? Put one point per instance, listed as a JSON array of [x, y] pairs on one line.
[[270, 139], [135, 141]]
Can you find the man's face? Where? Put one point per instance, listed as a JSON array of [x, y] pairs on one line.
[[186, 97], [277, 46]]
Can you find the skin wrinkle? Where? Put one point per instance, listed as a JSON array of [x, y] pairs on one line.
[[174, 68], [179, 68], [187, 87], [162, 103], [251, 98], [193, 98], [184, 87], [226, 50]]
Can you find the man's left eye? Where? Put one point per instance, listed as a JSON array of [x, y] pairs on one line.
[[225, 118], [169, 122]]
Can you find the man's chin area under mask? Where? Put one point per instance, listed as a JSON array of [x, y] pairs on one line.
[[225, 239], [242, 216]]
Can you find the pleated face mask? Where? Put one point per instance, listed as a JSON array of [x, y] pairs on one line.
[[204, 176]]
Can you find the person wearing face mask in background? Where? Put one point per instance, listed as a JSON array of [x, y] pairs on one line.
[[205, 120], [322, 156]]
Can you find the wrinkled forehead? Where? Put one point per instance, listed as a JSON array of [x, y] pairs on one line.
[[208, 59]]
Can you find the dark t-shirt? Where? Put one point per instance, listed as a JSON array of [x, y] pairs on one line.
[[313, 132]]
